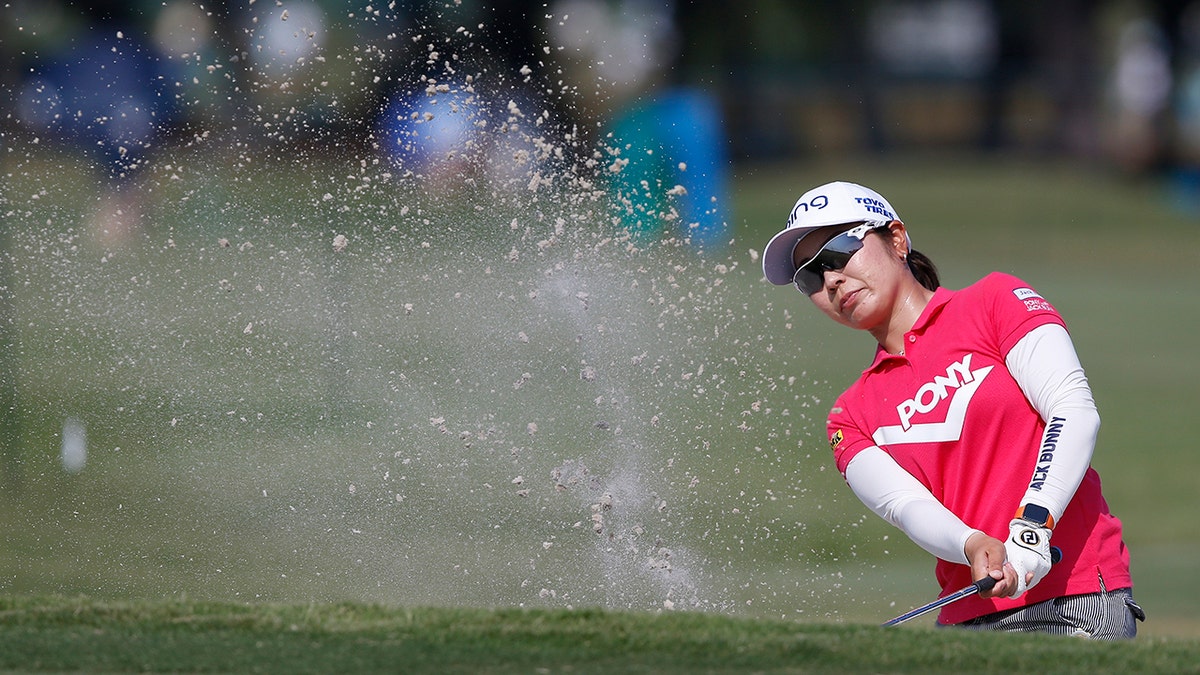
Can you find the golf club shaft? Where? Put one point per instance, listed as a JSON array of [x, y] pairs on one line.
[[980, 586], [984, 584]]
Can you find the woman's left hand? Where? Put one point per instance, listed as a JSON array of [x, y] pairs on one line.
[[988, 558]]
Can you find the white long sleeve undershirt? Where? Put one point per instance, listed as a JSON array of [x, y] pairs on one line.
[[1046, 367]]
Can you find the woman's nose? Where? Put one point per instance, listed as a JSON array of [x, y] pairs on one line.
[[833, 278]]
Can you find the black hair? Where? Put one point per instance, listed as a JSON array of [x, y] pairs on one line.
[[919, 264], [924, 270]]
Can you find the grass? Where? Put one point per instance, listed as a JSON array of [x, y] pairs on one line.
[[74, 634]]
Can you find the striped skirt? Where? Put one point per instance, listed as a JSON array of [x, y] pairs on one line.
[[1098, 616]]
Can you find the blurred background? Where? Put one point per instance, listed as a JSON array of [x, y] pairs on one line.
[[458, 302], [1112, 81]]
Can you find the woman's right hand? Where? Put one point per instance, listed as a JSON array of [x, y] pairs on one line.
[[989, 559]]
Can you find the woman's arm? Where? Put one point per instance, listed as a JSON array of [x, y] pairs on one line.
[[1045, 366], [899, 498]]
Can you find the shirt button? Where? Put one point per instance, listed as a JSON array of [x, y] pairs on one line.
[[912, 338]]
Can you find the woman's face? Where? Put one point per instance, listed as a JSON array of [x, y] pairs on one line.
[[861, 295]]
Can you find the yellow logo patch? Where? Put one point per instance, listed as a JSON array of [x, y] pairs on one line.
[[835, 440]]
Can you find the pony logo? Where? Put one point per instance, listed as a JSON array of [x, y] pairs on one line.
[[959, 385]]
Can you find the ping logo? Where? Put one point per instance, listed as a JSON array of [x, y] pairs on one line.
[[959, 385], [818, 202], [801, 207]]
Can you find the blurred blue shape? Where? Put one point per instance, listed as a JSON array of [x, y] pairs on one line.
[[108, 92], [427, 132], [674, 138]]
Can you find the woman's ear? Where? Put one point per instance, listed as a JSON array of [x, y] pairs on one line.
[[900, 241]]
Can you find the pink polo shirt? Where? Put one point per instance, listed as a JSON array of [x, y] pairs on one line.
[[950, 413]]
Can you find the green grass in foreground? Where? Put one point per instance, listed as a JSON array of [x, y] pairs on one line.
[[75, 634]]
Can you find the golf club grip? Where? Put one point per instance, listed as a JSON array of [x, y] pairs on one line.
[[985, 584]]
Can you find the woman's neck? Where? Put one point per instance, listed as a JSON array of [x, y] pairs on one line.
[[911, 301]]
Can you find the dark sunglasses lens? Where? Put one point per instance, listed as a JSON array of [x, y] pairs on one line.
[[834, 255], [808, 282]]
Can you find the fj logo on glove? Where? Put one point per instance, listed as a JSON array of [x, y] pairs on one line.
[[1030, 538]]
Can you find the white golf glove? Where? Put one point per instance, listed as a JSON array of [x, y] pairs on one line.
[[1028, 549]]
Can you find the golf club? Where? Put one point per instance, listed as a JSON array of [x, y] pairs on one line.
[[984, 584]]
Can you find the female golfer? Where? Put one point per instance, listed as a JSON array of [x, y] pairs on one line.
[[972, 429]]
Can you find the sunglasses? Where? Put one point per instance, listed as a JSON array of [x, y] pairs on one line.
[[833, 256]]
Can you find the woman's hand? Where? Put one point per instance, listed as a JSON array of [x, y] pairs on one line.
[[989, 559]]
